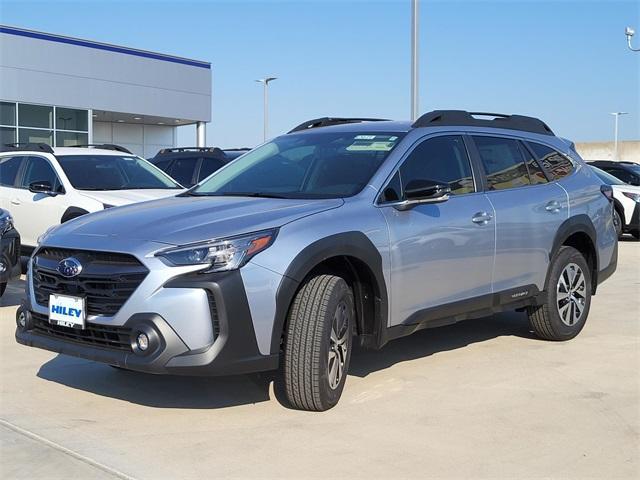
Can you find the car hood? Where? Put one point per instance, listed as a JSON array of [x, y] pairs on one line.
[[184, 220], [117, 198]]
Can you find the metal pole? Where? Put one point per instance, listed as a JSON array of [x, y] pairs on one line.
[[201, 134], [265, 82], [414, 59], [615, 133]]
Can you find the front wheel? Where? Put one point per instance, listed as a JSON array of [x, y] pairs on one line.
[[318, 343], [617, 222], [567, 300]]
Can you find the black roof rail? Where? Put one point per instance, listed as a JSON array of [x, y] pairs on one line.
[[239, 149], [441, 118], [188, 149], [328, 121], [25, 146], [103, 146]]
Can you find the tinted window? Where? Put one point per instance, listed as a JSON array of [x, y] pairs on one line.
[[555, 163], [40, 170], [626, 177], [536, 174], [182, 170], [393, 191], [441, 159], [209, 165], [9, 170], [162, 164], [322, 164], [503, 162], [113, 172]]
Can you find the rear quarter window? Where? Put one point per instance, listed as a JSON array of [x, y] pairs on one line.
[[556, 164]]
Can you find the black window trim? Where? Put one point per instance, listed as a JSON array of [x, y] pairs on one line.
[[477, 178]]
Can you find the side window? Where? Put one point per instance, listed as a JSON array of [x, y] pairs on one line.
[[503, 162], [442, 159], [555, 163], [623, 175], [40, 170], [9, 167], [536, 174], [163, 164], [182, 170], [209, 165]]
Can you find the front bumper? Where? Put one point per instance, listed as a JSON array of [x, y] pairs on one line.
[[234, 349], [634, 222]]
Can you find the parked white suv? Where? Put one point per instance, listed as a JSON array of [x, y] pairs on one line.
[[43, 186]]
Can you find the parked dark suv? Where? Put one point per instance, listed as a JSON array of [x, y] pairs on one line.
[[628, 172], [9, 250], [190, 165]]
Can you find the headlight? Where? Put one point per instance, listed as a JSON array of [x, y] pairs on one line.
[[222, 255], [633, 196]]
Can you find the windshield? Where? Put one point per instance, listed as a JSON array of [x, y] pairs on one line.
[[113, 172], [607, 177], [312, 165]]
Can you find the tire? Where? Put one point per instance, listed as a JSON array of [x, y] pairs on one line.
[[636, 234], [3, 287], [546, 320], [315, 365], [617, 222]]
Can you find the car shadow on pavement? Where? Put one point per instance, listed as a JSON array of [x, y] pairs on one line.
[[14, 294], [164, 391]]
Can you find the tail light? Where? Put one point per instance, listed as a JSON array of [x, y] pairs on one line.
[[607, 191]]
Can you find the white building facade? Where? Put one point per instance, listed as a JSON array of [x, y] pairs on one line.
[[67, 91]]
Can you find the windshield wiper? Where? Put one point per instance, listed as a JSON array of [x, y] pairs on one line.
[[236, 194]]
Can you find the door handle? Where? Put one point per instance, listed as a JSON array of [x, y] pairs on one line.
[[553, 206], [15, 201], [481, 218]]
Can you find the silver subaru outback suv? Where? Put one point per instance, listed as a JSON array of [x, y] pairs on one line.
[[341, 231]]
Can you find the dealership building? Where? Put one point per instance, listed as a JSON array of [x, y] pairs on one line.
[[66, 91]]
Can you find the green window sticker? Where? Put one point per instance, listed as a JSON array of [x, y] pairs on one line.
[[372, 143]]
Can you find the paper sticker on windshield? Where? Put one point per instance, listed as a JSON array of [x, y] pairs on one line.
[[372, 143]]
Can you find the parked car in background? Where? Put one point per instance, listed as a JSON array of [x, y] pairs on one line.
[[190, 165], [45, 186], [628, 172], [626, 201], [341, 231], [9, 250]]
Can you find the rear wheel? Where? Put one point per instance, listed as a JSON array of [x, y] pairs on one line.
[[318, 343], [617, 222], [567, 300]]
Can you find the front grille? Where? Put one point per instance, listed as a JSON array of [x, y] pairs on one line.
[[107, 280], [117, 338]]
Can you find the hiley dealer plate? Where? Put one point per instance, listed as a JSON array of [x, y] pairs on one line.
[[67, 311]]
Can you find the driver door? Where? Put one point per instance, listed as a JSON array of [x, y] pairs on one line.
[[34, 213], [441, 253]]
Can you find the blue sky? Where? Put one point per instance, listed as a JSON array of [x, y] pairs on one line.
[[564, 61]]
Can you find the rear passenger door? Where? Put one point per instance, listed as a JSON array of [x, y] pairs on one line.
[[529, 210], [442, 253]]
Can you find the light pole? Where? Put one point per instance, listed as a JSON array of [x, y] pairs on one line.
[[630, 32], [414, 59], [265, 82], [615, 133]]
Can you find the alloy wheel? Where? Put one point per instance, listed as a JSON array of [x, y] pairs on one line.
[[338, 345], [571, 294]]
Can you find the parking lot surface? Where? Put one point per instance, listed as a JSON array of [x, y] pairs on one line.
[[480, 399]]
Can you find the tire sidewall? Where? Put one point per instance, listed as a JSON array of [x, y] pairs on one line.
[[566, 256], [617, 222], [329, 397]]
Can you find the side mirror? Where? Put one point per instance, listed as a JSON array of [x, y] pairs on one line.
[[42, 187], [423, 191]]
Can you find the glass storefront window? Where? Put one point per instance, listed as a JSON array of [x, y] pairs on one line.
[[68, 139], [7, 113], [38, 116], [31, 135], [7, 135], [71, 119]]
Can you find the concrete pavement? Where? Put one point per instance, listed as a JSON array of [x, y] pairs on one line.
[[480, 399]]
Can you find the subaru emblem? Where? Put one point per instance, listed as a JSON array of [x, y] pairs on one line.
[[69, 267]]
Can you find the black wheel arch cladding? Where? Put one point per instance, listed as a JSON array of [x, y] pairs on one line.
[[71, 213], [355, 245]]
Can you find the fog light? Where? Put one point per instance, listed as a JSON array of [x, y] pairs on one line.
[[142, 341]]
